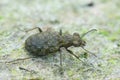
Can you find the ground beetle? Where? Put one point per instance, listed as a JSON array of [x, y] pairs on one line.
[[47, 42]]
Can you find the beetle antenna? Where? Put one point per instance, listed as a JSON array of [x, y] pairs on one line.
[[89, 51], [40, 30], [88, 32]]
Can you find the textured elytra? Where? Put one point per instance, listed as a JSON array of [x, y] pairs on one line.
[[47, 42], [42, 43]]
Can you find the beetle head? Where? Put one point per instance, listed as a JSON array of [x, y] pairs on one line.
[[77, 40]]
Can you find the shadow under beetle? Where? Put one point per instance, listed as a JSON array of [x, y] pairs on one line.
[[47, 42]]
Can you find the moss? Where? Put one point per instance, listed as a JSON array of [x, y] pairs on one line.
[[1, 17], [104, 32], [112, 61], [113, 38], [70, 73], [39, 78]]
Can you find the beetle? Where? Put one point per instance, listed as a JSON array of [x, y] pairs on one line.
[[48, 42]]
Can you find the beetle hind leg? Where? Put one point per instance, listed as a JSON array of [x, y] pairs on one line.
[[61, 64]]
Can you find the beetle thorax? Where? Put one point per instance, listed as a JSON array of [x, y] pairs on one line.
[[72, 40]]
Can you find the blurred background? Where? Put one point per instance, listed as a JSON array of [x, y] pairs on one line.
[[17, 16]]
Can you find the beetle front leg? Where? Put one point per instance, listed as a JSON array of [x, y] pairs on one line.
[[74, 55], [78, 58]]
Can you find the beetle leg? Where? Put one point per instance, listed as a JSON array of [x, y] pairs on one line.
[[61, 65], [60, 32], [78, 58], [40, 30], [74, 55], [60, 58]]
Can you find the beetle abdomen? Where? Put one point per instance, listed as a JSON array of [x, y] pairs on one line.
[[43, 43]]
